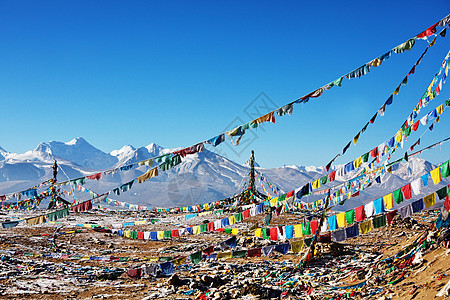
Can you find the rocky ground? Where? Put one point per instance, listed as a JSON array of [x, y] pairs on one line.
[[28, 272]]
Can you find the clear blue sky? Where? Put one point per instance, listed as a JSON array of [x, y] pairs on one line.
[[176, 73]]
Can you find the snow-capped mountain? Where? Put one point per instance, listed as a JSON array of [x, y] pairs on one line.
[[202, 177], [128, 154]]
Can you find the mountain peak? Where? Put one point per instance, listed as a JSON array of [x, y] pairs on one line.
[[152, 147], [123, 151], [78, 151], [78, 140]]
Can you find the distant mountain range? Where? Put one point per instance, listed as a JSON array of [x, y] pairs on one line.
[[201, 177]]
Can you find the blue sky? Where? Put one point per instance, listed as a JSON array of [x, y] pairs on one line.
[[178, 73]]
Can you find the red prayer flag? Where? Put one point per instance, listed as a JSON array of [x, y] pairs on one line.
[[407, 191], [254, 252], [290, 194], [360, 214], [447, 203], [211, 226], [332, 175], [314, 225], [94, 176], [274, 234], [175, 233], [374, 152], [429, 31], [208, 250], [390, 215]]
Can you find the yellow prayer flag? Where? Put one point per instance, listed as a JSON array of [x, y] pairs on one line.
[[258, 232], [231, 220], [356, 138], [376, 62], [153, 258], [399, 136], [127, 233], [179, 261], [150, 174], [224, 255], [315, 184], [298, 232], [196, 229], [357, 162], [160, 235], [432, 42], [341, 219], [431, 96], [436, 175], [297, 246], [429, 200], [234, 231], [274, 202], [365, 227], [440, 109], [397, 90], [388, 201]]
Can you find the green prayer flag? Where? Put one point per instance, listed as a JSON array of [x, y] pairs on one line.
[[239, 254], [306, 229], [218, 212], [78, 181], [406, 156], [133, 235], [442, 193], [324, 179], [282, 197], [176, 160], [365, 157], [228, 230], [379, 221], [336, 82], [163, 158], [266, 233], [407, 131], [203, 227], [196, 257], [167, 234], [398, 196], [445, 169], [58, 214], [238, 217], [350, 216]]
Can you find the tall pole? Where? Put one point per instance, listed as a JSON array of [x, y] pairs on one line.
[[52, 202], [252, 172], [55, 171]]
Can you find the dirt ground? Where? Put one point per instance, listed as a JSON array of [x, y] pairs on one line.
[[26, 272]]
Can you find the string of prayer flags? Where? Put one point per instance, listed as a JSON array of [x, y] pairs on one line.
[[381, 111]]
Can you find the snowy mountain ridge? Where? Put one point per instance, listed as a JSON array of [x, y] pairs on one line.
[[202, 177]]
